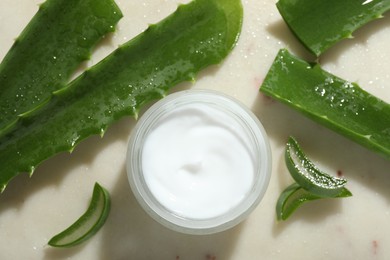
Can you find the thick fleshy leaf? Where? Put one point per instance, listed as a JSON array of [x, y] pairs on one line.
[[197, 35], [338, 104], [319, 24]]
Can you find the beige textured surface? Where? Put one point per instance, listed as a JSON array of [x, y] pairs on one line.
[[32, 210]]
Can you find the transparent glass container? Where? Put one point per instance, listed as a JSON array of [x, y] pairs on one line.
[[260, 149]]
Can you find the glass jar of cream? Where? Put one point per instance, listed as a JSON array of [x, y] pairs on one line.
[[198, 161]]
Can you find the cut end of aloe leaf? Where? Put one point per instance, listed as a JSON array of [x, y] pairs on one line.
[[234, 12], [329, 100], [88, 224], [309, 20], [308, 176]]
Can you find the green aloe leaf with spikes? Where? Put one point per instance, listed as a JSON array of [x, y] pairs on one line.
[[337, 104], [319, 24], [174, 50]]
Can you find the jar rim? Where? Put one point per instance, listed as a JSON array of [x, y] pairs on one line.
[[164, 215]]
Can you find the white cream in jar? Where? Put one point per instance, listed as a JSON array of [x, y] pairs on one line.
[[198, 161]]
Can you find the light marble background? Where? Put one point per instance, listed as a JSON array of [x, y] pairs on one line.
[[33, 210]]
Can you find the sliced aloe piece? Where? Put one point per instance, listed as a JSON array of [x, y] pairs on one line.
[[197, 35], [310, 183], [307, 175], [319, 24], [294, 196], [338, 104], [89, 223], [57, 39]]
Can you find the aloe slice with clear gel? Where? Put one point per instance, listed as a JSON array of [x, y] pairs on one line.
[[310, 183], [308, 175], [89, 223]]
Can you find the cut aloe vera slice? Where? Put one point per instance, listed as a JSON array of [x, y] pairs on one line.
[[197, 35], [294, 196], [311, 183], [307, 175], [89, 223], [338, 104], [319, 24], [57, 39]]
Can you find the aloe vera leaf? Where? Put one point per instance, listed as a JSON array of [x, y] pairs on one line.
[[319, 24], [89, 223], [307, 174], [310, 183], [338, 104], [294, 196], [51, 47], [197, 35]]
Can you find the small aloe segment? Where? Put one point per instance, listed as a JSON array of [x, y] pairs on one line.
[[89, 223], [294, 196], [57, 39], [310, 183], [197, 35], [338, 104], [319, 24], [307, 174]]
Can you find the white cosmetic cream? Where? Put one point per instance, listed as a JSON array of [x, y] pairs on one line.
[[198, 162]]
